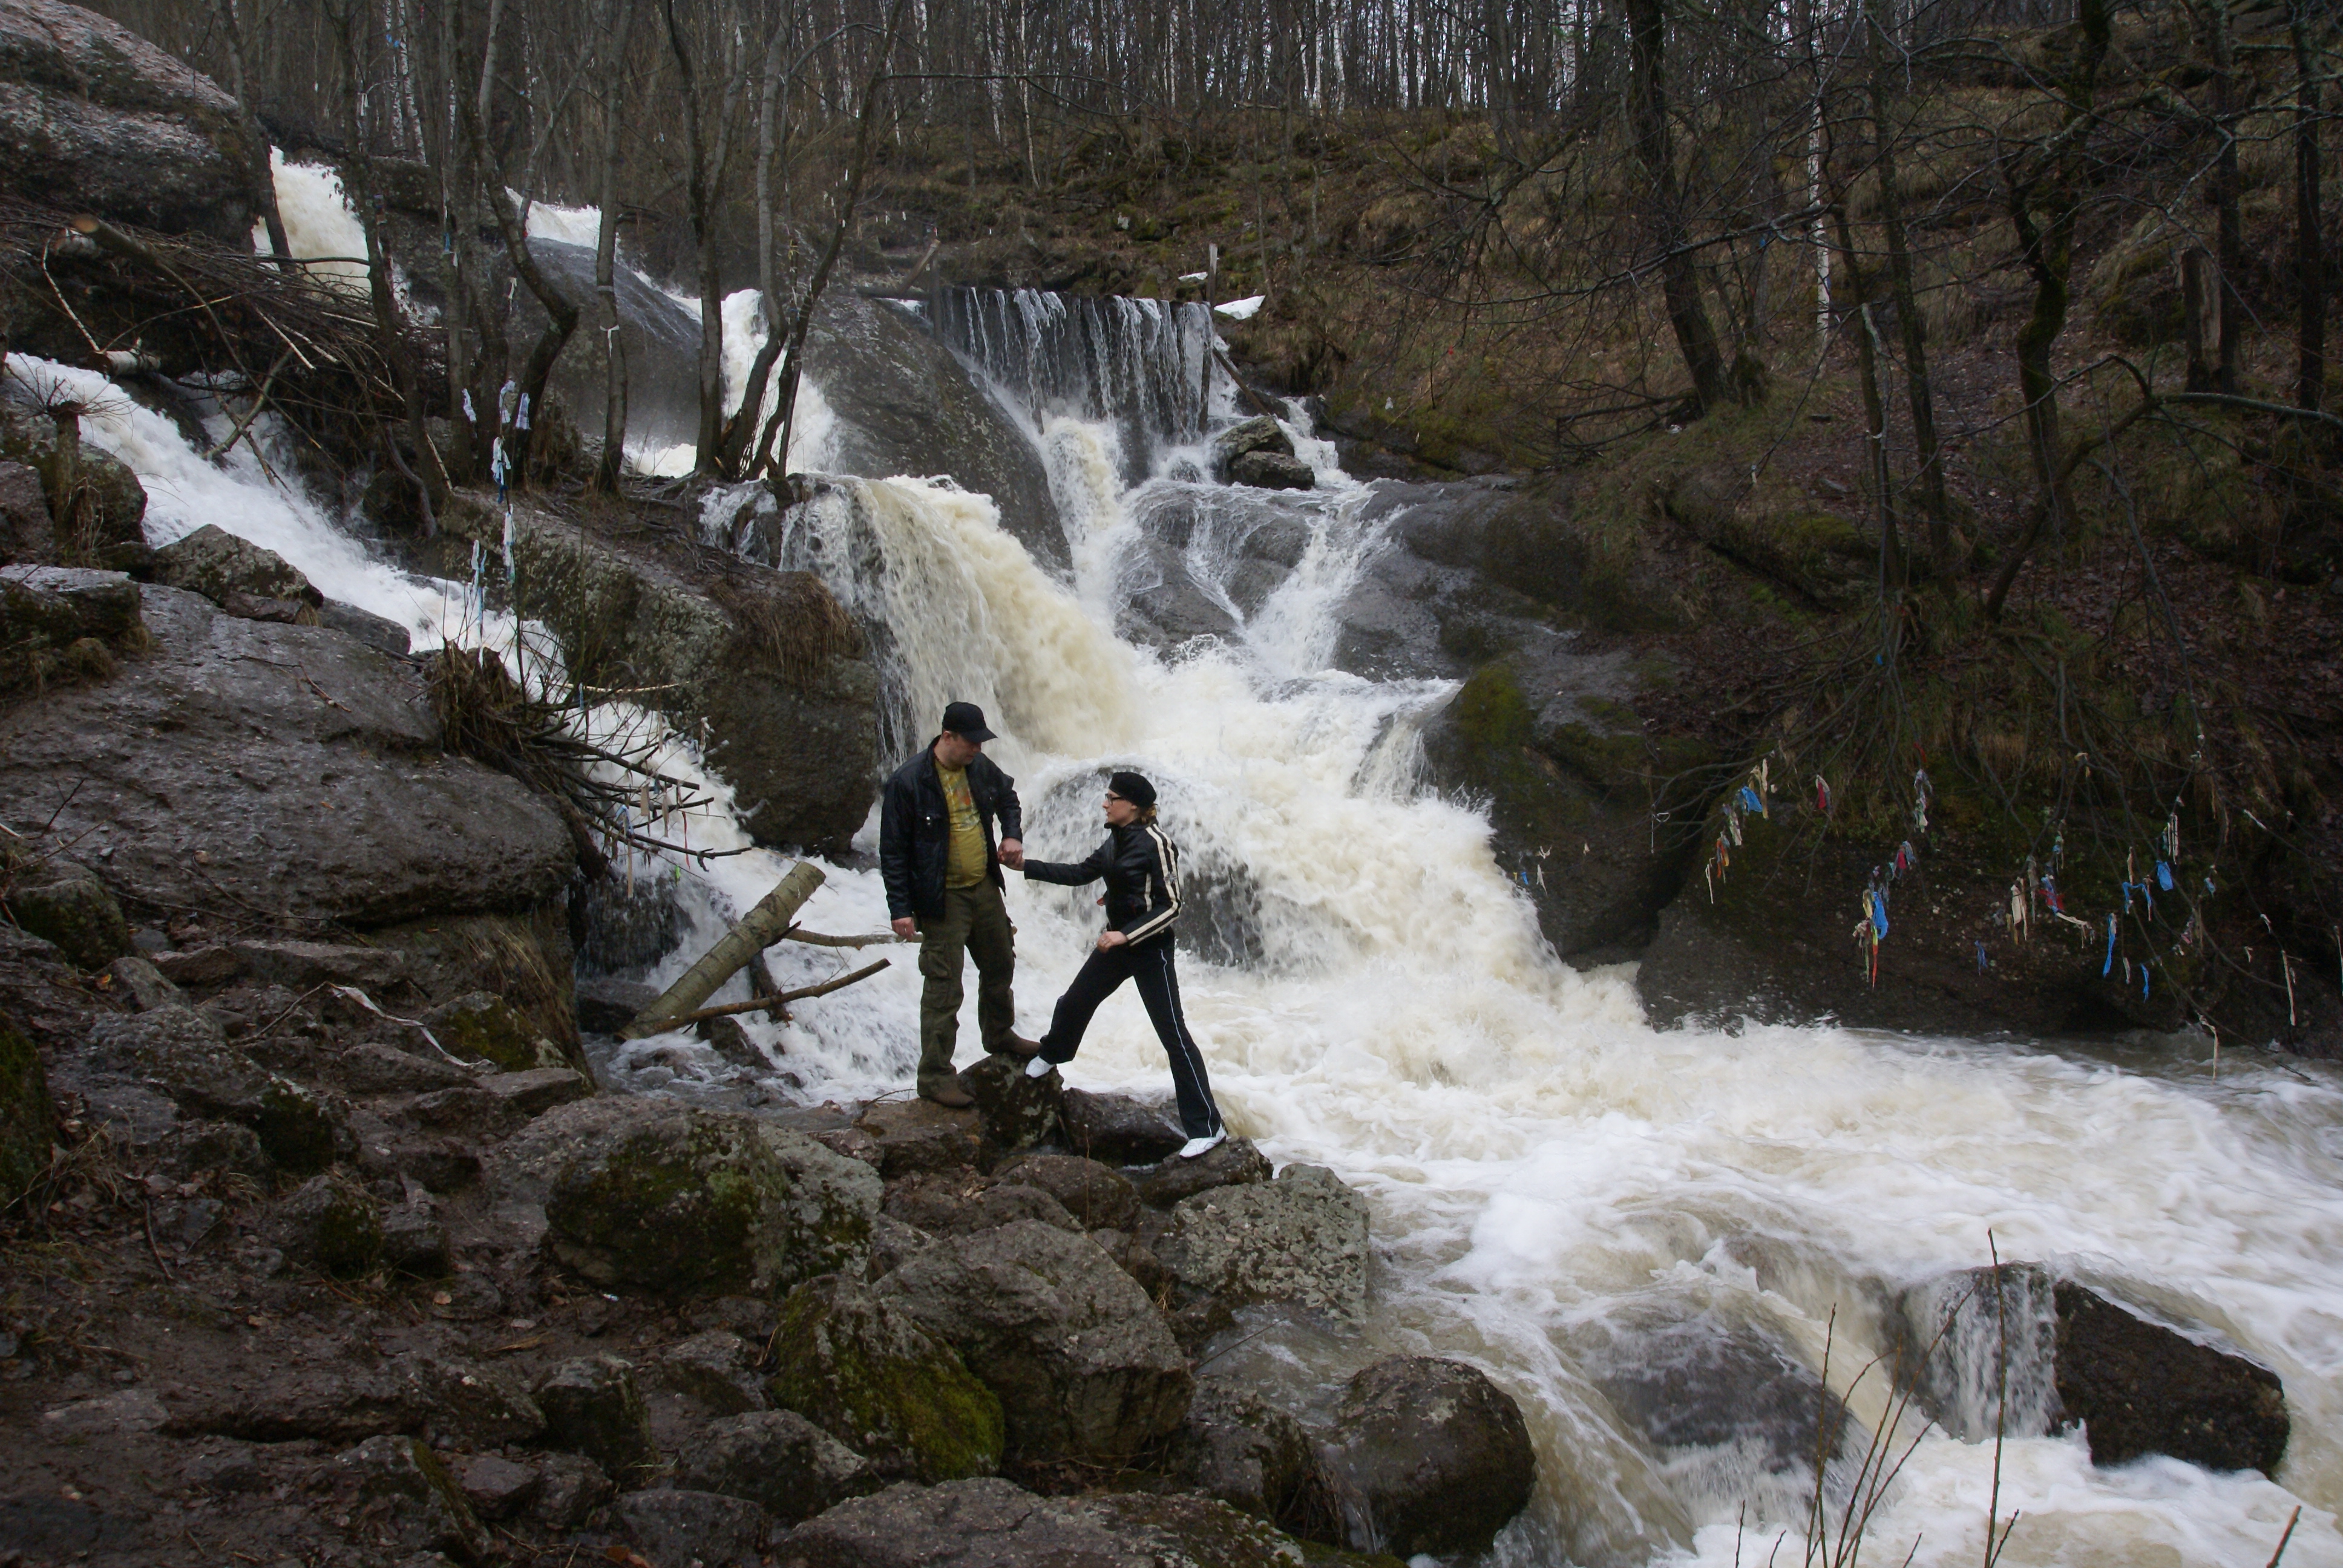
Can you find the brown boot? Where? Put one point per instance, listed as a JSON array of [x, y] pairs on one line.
[[951, 1093], [1018, 1045]]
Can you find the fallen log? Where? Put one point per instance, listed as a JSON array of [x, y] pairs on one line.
[[758, 929], [637, 1029], [816, 939]]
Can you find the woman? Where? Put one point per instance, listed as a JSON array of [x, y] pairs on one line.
[[1142, 898]]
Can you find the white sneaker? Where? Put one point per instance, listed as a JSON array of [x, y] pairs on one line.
[[1040, 1067], [1195, 1146]]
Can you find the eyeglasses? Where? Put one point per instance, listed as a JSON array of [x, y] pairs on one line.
[[1112, 796]]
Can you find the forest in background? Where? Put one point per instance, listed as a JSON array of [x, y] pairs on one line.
[[1984, 344]]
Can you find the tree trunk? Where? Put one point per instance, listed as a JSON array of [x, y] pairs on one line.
[[606, 252], [430, 482], [1655, 149], [2309, 261], [2230, 238], [1914, 328]]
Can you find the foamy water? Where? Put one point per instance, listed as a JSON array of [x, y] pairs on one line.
[[1546, 1172]]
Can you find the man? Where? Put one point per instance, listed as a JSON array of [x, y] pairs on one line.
[[943, 873]]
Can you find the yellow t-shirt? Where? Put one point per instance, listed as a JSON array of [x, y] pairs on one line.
[[966, 864]]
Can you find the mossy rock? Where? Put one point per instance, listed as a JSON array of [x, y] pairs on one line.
[[480, 1026], [865, 1372], [26, 1113], [593, 1406], [298, 1131], [705, 1203], [331, 1223], [73, 910]]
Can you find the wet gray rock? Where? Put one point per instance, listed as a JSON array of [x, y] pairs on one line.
[[1093, 1193], [717, 1369], [606, 1006], [364, 625], [1251, 1456], [681, 1526], [414, 1241], [2139, 1387], [195, 1148], [286, 766], [214, 963], [27, 536], [863, 1368], [1015, 1111], [299, 966], [1085, 1364], [405, 1497], [464, 1404], [1427, 1456], [764, 663], [143, 984], [592, 1406], [1301, 1238], [573, 1486], [992, 1524], [1272, 471], [179, 1053], [1259, 434], [331, 1224], [1137, 1259], [374, 1066], [1234, 1163], [1116, 1130], [920, 1135], [497, 1488], [695, 1202], [777, 1460], [217, 564], [943, 1204], [62, 903], [93, 118]]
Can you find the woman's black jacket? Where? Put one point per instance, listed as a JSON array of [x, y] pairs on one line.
[[915, 831], [1142, 870]]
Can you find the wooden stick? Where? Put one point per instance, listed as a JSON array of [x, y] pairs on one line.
[[817, 940], [757, 931], [639, 1029]]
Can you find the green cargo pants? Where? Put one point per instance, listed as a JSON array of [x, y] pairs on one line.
[[976, 920]]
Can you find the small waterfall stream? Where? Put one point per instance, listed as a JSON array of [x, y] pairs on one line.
[[1646, 1237]]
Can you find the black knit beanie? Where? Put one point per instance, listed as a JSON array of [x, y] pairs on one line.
[[1134, 787]]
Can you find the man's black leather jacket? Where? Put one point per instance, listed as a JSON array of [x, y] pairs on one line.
[[915, 831]]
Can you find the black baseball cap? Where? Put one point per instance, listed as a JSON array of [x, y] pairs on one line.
[[966, 719]]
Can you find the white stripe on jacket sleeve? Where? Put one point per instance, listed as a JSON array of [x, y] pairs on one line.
[[1167, 867]]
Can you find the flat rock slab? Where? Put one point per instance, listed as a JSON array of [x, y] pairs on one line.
[[1116, 1130], [1234, 1162], [919, 1135], [280, 769]]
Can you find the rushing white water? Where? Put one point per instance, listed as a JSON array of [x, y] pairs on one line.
[[1559, 1192], [813, 438]]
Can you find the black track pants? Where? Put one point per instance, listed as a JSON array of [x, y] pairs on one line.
[[1149, 963]]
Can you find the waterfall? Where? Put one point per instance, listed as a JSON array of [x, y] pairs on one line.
[[1138, 364]]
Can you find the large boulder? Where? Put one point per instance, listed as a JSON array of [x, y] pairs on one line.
[[992, 1524], [331, 1223], [1427, 1456], [93, 118], [679, 1525], [28, 534], [1251, 1455], [764, 664], [1301, 1238], [1093, 1193], [1085, 1364], [863, 1368], [221, 566], [1235, 1161], [702, 1203], [1272, 471], [777, 1460], [279, 767], [2140, 1388]]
